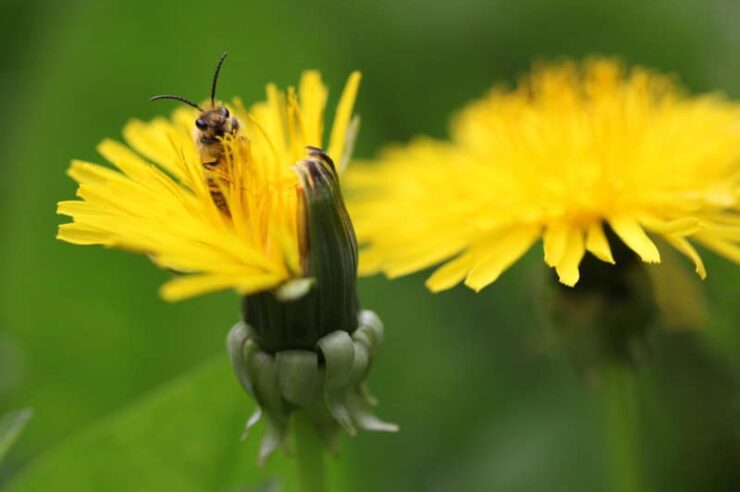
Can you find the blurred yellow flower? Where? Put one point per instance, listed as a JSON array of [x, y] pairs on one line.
[[158, 200], [574, 148]]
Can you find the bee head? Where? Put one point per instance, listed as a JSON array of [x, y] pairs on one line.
[[214, 118]]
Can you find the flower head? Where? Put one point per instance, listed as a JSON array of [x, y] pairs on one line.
[[257, 209], [160, 199], [572, 150]]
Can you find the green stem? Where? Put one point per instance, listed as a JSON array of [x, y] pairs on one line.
[[620, 406], [309, 455]]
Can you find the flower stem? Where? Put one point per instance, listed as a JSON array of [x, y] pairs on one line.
[[620, 407], [309, 455]]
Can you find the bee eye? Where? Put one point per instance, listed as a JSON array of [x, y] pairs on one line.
[[201, 124], [226, 113]]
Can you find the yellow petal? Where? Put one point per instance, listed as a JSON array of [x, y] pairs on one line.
[[82, 234], [499, 256], [633, 235], [567, 267], [725, 248], [685, 247], [679, 227], [369, 264], [723, 231], [349, 143], [187, 286], [161, 142], [343, 116], [87, 172], [115, 153], [80, 210], [271, 116], [312, 93], [450, 274], [597, 243], [423, 256], [554, 241], [296, 130], [137, 168]]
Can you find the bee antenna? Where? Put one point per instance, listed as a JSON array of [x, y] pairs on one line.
[[176, 98], [215, 76]]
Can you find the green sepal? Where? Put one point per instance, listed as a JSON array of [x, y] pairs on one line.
[[297, 373], [360, 410], [368, 396], [608, 316], [372, 322], [369, 332], [235, 341], [271, 440], [251, 422], [322, 419], [360, 364], [339, 354], [362, 335], [327, 383], [263, 374]]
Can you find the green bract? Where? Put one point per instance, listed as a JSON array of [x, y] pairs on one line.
[[328, 383], [606, 318]]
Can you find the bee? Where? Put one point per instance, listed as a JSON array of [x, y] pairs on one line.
[[211, 126]]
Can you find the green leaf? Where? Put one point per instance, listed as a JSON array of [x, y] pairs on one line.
[[11, 425], [183, 437]]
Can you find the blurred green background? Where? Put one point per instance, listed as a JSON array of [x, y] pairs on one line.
[[484, 401]]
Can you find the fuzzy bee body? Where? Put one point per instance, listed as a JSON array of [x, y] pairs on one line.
[[211, 127]]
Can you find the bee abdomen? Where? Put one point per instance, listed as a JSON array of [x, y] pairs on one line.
[[214, 188], [220, 201]]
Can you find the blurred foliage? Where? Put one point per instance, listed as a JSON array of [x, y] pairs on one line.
[[483, 400], [165, 442], [11, 426]]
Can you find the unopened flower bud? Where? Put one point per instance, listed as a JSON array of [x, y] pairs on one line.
[[305, 345]]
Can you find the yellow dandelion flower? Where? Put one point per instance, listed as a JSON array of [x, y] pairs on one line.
[[160, 198], [573, 150]]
